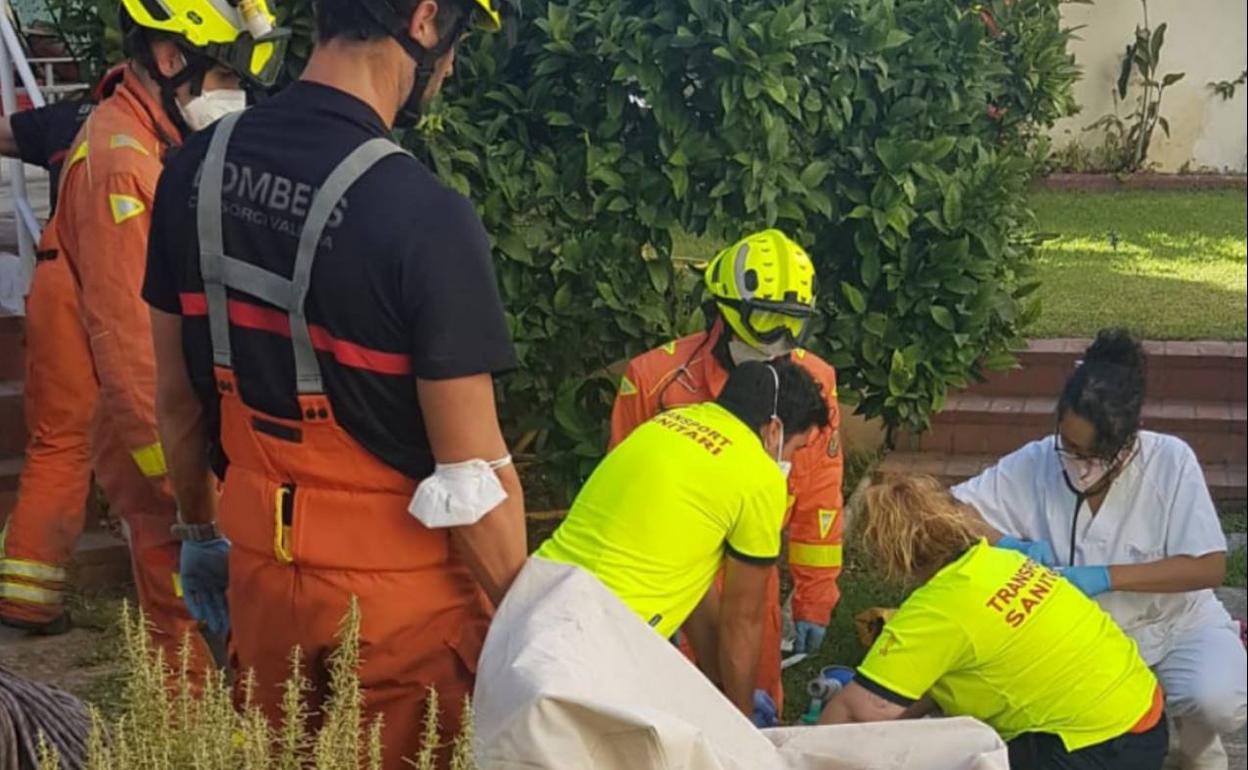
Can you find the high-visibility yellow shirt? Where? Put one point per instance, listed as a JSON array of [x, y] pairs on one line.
[[1009, 642], [658, 514]]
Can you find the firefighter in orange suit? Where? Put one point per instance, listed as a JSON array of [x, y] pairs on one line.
[[45, 523], [764, 294], [185, 62], [327, 327]]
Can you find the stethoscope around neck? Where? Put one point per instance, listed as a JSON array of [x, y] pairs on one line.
[[1074, 520], [1080, 497]]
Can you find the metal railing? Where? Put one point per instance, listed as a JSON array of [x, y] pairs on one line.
[[13, 59], [52, 90]]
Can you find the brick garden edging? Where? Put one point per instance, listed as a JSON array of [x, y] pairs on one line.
[[1197, 390]]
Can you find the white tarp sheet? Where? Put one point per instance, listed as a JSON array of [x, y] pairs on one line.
[[571, 679]]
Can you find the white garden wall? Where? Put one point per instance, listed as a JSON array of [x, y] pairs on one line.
[[1204, 38]]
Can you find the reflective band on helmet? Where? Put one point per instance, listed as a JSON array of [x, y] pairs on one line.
[[33, 570], [151, 460], [21, 592], [806, 555]]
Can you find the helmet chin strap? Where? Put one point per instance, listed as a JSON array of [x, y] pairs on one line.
[[194, 70], [426, 59]]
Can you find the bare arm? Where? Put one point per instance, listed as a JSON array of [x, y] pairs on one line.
[[8, 142], [462, 424], [180, 419], [1173, 575], [702, 630], [741, 629], [858, 704]]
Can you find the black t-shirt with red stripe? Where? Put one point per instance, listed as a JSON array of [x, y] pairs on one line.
[[402, 287]]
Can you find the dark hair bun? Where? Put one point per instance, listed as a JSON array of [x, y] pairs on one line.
[[1117, 347], [1107, 388]]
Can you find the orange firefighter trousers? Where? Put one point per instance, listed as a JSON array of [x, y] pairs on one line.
[[60, 394], [315, 519]]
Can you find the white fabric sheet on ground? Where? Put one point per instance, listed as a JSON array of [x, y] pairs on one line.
[[571, 679]]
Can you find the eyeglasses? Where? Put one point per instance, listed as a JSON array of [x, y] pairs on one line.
[[1073, 454]]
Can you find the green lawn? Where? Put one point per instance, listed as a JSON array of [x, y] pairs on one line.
[[1168, 265], [1235, 520]]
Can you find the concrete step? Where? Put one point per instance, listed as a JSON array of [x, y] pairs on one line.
[[101, 561], [12, 348], [1196, 371], [10, 471], [1227, 482], [10, 467], [12, 419], [8, 499], [973, 424]]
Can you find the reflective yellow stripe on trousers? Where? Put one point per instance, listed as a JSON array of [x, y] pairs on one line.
[[21, 592], [807, 555], [31, 570]]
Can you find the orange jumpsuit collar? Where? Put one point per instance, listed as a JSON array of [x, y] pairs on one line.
[[146, 109]]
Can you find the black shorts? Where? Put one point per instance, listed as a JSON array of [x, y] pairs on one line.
[[1133, 751]]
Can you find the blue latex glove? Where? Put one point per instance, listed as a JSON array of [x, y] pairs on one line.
[[1037, 550], [809, 637], [764, 710], [205, 572], [1093, 581]]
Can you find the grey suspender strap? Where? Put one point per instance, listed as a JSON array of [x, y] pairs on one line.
[[354, 166], [220, 271], [212, 239]]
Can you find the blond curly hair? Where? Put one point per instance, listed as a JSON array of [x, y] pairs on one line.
[[910, 526]]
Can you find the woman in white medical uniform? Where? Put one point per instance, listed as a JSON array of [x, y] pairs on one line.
[[1127, 516]]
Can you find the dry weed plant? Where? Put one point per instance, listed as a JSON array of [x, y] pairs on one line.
[[197, 726]]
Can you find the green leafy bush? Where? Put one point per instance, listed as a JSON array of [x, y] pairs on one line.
[[90, 31], [893, 138]]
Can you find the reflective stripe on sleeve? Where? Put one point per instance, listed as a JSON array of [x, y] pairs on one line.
[[151, 460], [807, 555]]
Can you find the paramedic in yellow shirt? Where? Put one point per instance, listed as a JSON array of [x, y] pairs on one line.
[[992, 635], [691, 486]]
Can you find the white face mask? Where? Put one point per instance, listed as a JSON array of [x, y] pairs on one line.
[[459, 494], [740, 352], [1085, 473], [210, 106]]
